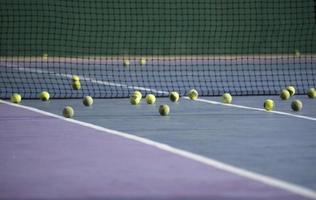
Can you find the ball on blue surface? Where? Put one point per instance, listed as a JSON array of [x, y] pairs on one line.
[[311, 93], [134, 99], [268, 104], [150, 99], [142, 61], [291, 90], [285, 94], [44, 96], [138, 94], [126, 63], [75, 78], [87, 101], [16, 98], [227, 98], [76, 85], [296, 105], [68, 112], [164, 110], [193, 94], [174, 96]]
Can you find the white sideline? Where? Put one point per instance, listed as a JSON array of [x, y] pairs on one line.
[[253, 108]]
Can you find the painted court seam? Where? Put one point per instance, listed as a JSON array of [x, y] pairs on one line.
[[296, 189]]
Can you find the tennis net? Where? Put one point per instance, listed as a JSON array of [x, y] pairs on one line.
[[250, 47]]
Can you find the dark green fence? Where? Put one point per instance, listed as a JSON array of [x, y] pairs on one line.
[[156, 27]]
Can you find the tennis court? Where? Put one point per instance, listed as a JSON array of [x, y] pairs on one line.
[[204, 148]]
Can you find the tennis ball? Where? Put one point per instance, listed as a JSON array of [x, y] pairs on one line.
[[44, 96], [142, 61], [75, 78], [297, 53], [291, 90], [150, 99], [87, 101], [139, 94], [68, 112], [45, 56], [164, 110], [76, 85], [311, 93], [174, 96], [227, 98], [296, 105], [126, 63], [285, 95], [134, 99], [193, 94], [16, 98], [268, 104]]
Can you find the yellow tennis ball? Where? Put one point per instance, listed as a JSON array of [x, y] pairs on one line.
[[193, 94], [291, 90], [164, 110], [126, 63], [138, 93], [150, 99], [45, 56], [68, 112], [134, 99], [311, 93], [297, 53], [268, 104], [87, 101], [296, 105], [174, 96], [227, 98], [44, 96], [142, 61], [16, 98], [76, 85], [285, 94], [75, 78]]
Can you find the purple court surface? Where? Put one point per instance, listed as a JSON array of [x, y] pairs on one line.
[[44, 157]]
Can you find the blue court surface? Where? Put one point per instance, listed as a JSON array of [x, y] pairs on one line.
[[114, 150]]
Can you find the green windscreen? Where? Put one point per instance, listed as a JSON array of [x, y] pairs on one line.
[[248, 47]]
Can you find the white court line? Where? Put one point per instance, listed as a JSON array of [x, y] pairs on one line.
[[293, 188], [92, 80], [253, 108]]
